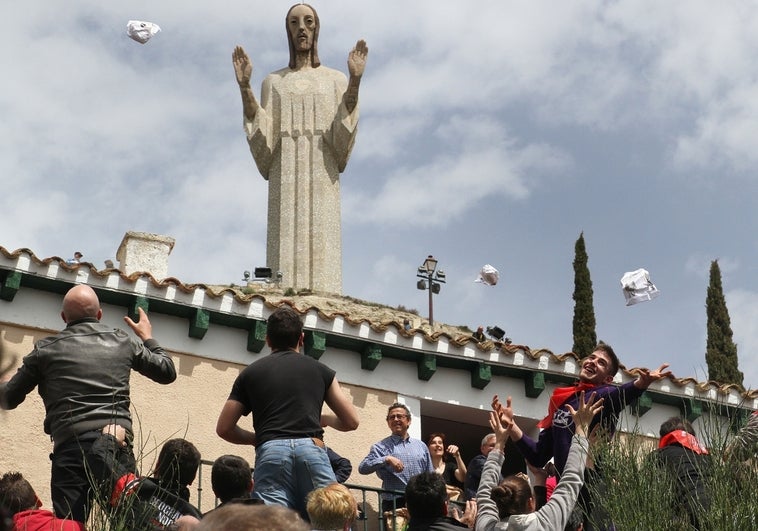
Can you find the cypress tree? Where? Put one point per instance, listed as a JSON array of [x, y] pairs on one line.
[[585, 338], [721, 350]]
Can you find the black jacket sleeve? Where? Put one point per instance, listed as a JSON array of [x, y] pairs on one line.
[[341, 465]]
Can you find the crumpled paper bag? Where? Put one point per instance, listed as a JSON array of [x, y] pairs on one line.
[[638, 287], [488, 275], [141, 31]]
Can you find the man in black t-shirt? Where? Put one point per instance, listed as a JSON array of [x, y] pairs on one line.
[[285, 392]]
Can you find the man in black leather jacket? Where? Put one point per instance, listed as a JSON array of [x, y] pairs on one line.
[[82, 374]]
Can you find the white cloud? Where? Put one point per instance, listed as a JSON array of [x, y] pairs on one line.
[[700, 265], [724, 134], [28, 220], [743, 312], [699, 63], [476, 159], [384, 272], [382, 137]]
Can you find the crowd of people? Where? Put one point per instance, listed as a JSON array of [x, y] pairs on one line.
[[83, 373], [296, 478]]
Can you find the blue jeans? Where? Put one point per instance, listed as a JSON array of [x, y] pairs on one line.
[[286, 470]]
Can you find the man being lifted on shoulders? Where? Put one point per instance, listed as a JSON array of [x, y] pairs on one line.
[[596, 376], [285, 392]]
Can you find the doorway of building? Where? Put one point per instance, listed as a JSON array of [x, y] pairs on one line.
[[465, 427]]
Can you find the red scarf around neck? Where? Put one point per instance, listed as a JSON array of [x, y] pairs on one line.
[[559, 397], [683, 438]]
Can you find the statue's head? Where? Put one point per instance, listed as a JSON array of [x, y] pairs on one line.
[[302, 32]]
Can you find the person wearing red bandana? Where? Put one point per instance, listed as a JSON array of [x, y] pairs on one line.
[[596, 375], [688, 465]]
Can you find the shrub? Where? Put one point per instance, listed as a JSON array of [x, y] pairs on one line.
[[639, 495]]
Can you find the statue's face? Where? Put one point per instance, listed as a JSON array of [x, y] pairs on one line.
[[302, 27]]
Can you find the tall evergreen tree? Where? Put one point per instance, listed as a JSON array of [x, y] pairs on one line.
[[585, 337], [721, 351]]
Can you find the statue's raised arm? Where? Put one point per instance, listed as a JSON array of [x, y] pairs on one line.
[[356, 64], [243, 69]]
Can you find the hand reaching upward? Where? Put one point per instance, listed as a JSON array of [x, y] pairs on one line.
[[142, 327], [504, 411], [500, 429], [586, 412], [646, 376], [506, 417]]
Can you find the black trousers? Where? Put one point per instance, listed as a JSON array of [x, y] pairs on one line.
[[71, 487]]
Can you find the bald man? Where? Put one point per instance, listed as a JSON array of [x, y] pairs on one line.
[[82, 374]]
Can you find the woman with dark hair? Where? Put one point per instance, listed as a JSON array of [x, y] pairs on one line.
[[510, 504], [448, 463]]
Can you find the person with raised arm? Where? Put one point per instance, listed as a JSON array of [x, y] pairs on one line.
[[82, 374], [510, 504], [596, 375]]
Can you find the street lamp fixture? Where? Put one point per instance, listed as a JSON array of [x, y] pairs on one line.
[[431, 280], [430, 264]]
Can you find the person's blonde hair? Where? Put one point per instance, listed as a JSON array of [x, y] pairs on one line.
[[331, 507]]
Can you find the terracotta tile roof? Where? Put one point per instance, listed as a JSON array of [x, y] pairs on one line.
[[350, 317]]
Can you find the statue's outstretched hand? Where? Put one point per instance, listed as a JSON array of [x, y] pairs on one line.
[[243, 67], [356, 59]]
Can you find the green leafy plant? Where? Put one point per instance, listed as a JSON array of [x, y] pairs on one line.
[[637, 494]]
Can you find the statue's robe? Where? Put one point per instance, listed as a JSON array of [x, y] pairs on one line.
[[301, 140]]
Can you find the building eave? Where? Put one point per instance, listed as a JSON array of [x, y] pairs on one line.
[[204, 306]]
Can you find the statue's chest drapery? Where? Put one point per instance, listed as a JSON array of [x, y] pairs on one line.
[[306, 103]]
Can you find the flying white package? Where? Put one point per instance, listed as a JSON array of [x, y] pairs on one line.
[[488, 275], [638, 287], [141, 31]]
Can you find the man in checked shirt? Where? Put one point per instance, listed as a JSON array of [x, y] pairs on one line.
[[397, 458]]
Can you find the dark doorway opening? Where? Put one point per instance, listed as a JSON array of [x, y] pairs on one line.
[[465, 427]]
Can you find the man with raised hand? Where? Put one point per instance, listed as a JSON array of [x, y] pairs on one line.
[[596, 376], [82, 374]]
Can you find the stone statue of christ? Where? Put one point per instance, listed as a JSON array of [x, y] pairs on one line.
[[300, 135]]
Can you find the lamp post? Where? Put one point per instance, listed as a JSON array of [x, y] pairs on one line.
[[431, 280]]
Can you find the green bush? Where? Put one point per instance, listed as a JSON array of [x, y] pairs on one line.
[[640, 496]]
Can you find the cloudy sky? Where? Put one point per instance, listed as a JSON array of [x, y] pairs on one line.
[[491, 132]]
